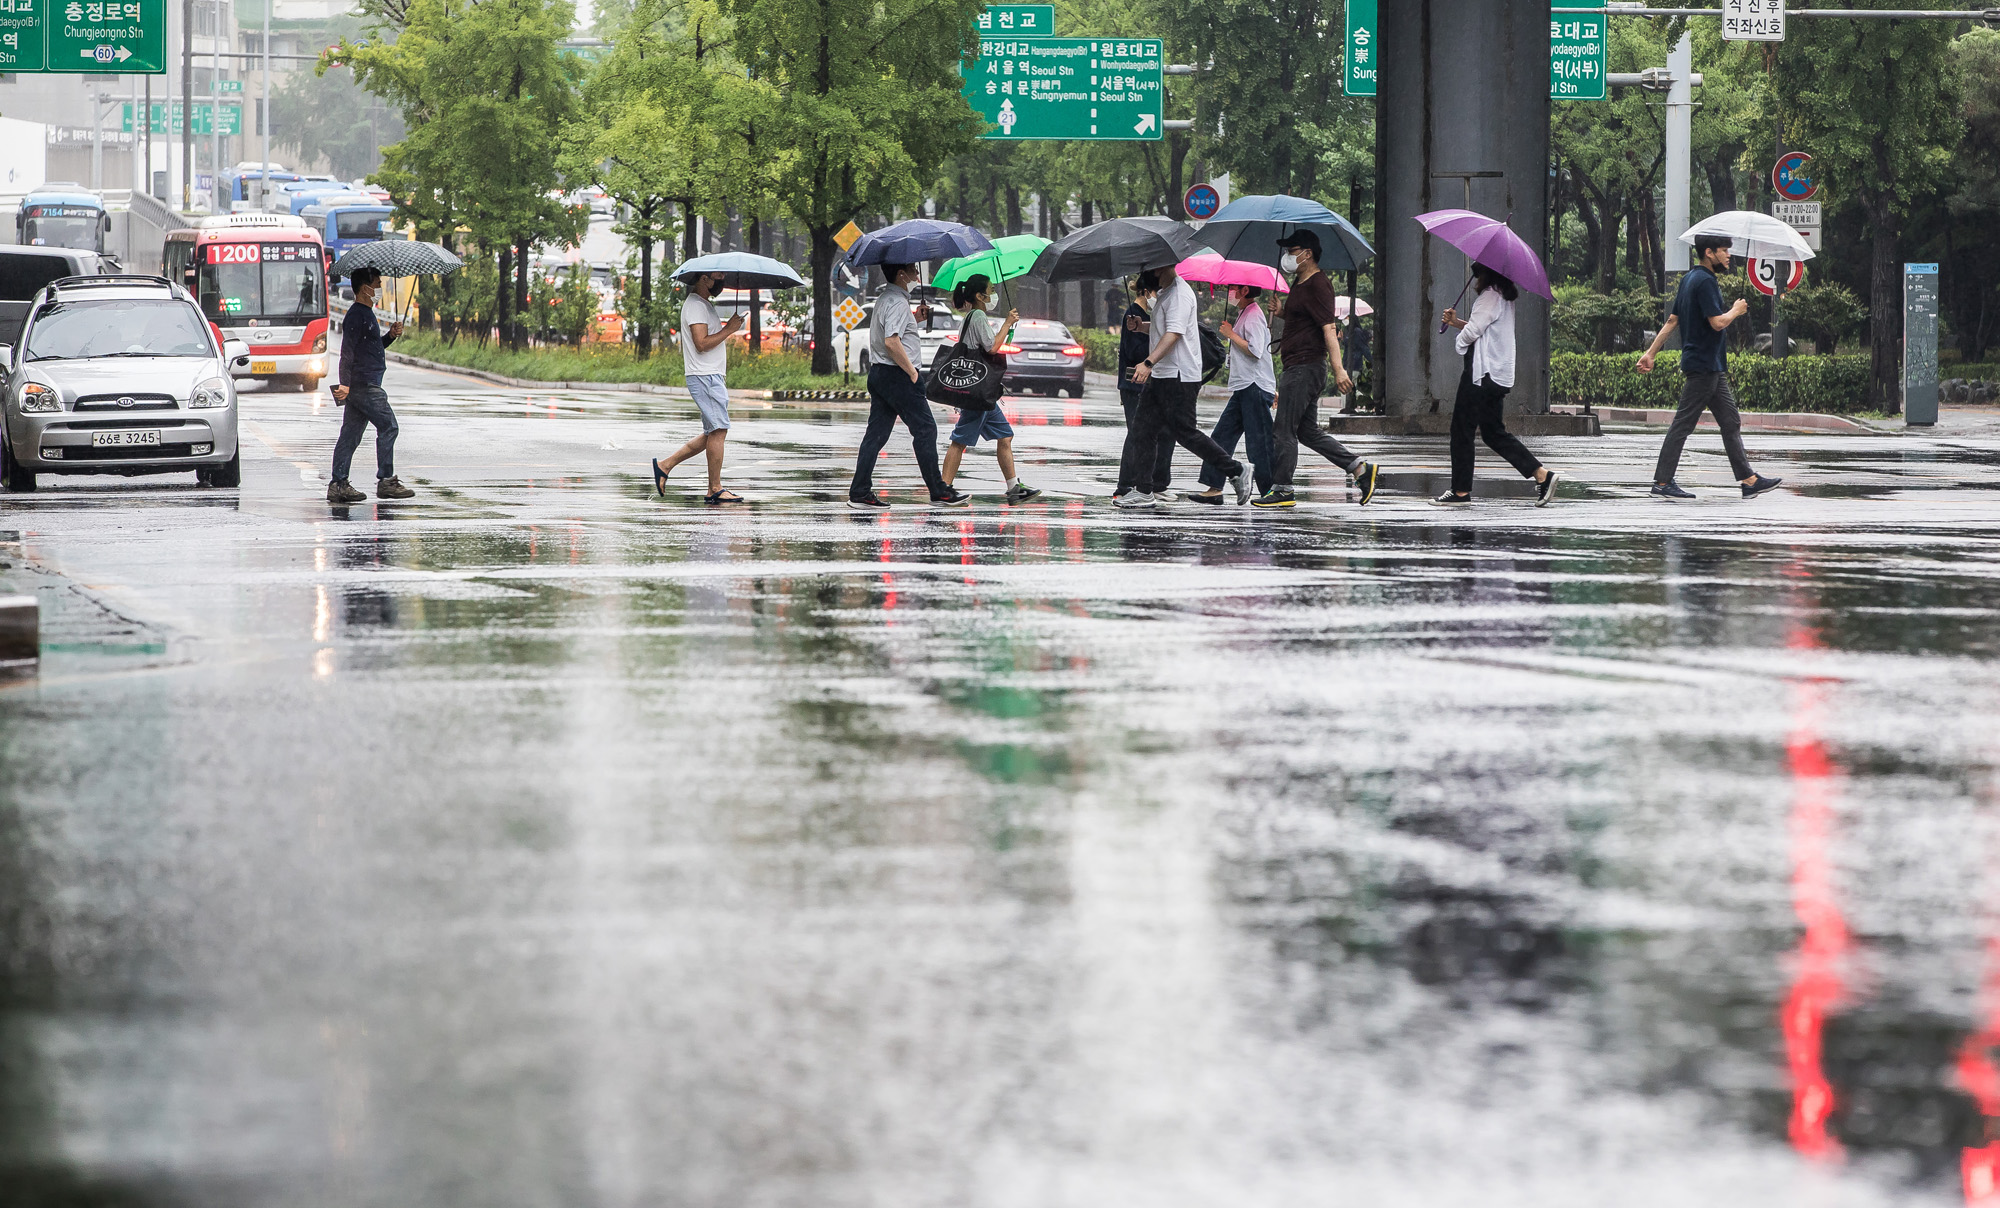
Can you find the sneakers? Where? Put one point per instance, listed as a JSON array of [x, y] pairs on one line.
[[1758, 485], [1215, 499], [1545, 490], [952, 498], [391, 488], [1366, 475], [1451, 500], [1672, 490], [867, 501], [1164, 496], [1276, 497], [1134, 500], [1021, 492], [1240, 483], [343, 492]]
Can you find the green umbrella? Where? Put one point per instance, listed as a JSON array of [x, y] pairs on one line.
[[1011, 256]]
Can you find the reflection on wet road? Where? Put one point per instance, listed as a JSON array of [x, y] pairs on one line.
[[540, 841]]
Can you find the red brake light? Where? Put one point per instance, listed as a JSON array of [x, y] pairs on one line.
[[1074, 350], [951, 337], [1007, 349]]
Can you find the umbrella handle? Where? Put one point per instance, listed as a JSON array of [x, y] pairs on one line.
[[1443, 326]]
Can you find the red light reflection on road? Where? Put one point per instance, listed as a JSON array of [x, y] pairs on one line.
[[1979, 1166], [1817, 987]]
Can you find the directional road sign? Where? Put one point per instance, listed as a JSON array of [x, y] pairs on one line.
[[1358, 75], [1763, 274], [167, 120], [229, 85], [110, 37], [1072, 88], [846, 236], [848, 313], [1016, 21], [1753, 20], [1202, 201], [24, 40], [1576, 56]]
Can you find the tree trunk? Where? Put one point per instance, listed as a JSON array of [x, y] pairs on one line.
[[1721, 185], [1177, 150], [503, 330], [825, 252], [1591, 238], [645, 341], [964, 211], [753, 235], [688, 248], [1013, 210], [520, 292], [1885, 313], [1088, 289]]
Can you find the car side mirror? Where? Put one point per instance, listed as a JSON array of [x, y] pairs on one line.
[[236, 352]]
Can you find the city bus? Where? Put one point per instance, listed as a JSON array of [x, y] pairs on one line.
[[62, 215], [241, 183], [260, 278], [347, 220]]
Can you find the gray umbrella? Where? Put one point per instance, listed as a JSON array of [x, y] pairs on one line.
[[1116, 248], [398, 258]]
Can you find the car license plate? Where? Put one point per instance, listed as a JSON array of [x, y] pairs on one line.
[[263, 367], [1045, 356], [131, 436]]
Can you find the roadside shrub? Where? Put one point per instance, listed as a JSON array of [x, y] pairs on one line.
[[1101, 347], [1582, 320], [1824, 313], [1832, 385]]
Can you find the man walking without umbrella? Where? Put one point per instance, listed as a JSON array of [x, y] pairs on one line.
[[1700, 315], [1170, 379], [893, 394], [363, 360], [1311, 335]]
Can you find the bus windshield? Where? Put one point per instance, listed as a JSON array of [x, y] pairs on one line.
[[70, 226], [240, 282], [360, 224]]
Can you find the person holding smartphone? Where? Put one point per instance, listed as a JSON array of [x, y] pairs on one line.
[[363, 359]]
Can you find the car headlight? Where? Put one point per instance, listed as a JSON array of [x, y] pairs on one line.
[[212, 393], [319, 345], [37, 397]]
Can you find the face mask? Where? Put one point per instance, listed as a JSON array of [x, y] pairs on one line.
[[1289, 262]]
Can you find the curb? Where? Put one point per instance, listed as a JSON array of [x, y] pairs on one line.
[[678, 392], [1767, 421]]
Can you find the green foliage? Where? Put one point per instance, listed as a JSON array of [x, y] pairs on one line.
[[328, 117], [1833, 385], [1101, 347], [572, 306], [617, 363], [1824, 313], [657, 313], [1582, 319], [463, 301]]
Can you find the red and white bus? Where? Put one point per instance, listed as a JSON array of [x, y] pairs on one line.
[[260, 278]]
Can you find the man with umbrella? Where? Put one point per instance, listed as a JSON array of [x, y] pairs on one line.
[[1311, 335], [363, 360], [704, 364]]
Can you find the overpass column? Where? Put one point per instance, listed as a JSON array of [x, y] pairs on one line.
[[1464, 123]]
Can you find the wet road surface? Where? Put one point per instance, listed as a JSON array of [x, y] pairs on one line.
[[538, 841]]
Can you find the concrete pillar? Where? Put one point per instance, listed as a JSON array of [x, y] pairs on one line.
[[20, 632], [1464, 88]]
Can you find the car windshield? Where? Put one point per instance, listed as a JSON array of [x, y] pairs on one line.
[[118, 327], [61, 232]]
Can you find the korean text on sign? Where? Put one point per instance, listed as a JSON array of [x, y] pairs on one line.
[[1753, 20]]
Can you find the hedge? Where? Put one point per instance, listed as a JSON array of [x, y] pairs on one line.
[[1102, 346], [1831, 384]]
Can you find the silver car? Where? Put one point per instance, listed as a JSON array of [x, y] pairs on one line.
[[118, 375]]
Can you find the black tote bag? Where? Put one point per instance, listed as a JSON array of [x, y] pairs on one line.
[[966, 378]]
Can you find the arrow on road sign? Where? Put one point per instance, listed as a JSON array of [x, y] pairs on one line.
[[104, 54], [1145, 124], [1007, 117]]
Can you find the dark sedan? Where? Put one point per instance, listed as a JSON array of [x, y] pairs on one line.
[[1043, 356]]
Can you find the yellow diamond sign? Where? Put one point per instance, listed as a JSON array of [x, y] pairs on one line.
[[849, 314], [846, 236]]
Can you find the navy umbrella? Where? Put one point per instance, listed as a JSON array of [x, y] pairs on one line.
[[741, 270], [916, 240], [1116, 248], [1249, 229]]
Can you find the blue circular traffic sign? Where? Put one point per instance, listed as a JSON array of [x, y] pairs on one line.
[[1792, 176], [1201, 201]]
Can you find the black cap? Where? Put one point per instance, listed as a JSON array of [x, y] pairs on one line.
[[1302, 238]]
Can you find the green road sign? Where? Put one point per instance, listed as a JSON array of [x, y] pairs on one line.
[[1016, 21], [24, 39], [1576, 56], [108, 37], [1359, 77], [1082, 88], [167, 121], [229, 85]]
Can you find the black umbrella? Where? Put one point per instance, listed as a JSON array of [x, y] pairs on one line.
[[398, 258], [1116, 248]]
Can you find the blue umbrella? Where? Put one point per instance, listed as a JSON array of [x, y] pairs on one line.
[[742, 270], [915, 240], [1249, 229]]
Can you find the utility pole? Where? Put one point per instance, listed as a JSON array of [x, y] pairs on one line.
[[1680, 151], [187, 106], [264, 188]]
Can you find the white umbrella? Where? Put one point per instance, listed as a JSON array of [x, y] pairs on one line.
[[1758, 236]]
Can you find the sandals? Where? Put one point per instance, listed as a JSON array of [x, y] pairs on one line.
[[723, 496], [659, 477]]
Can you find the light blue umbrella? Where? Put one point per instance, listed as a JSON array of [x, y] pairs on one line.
[[1249, 229], [742, 270]]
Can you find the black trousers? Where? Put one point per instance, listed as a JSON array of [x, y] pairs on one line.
[[366, 405], [1478, 409], [1297, 423], [893, 396], [1163, 464], [1163, 418]]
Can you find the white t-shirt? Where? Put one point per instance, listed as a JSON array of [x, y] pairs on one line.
[[1489, 333], [695, 363], [1252, 368], [893, 319], [1175, 312], [978, 332]]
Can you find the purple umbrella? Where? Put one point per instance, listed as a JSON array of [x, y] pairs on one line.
[[1488, 241]]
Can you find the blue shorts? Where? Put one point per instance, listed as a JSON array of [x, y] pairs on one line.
[[712, 397], [972, 425]]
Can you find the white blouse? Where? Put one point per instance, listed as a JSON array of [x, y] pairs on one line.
[[1489, 333]]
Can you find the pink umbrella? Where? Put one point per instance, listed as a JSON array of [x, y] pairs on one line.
[[1490, 242], [1360, 307], [1212, 269]]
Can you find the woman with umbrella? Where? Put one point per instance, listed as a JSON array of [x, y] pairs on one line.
[[1486, 341], [976, 292]]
